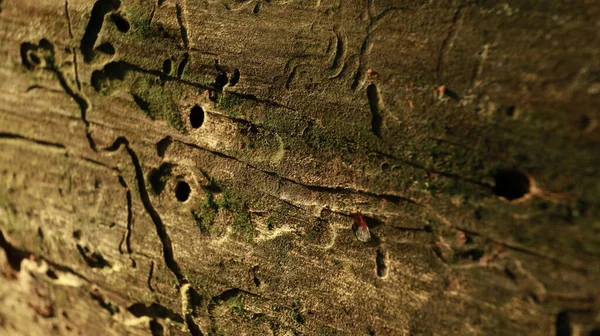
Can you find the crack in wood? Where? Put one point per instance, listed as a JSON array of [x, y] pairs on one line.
[[340, 53], [520, 249], [127, 236], [150, 274], [393, 198], [5, 135], [374, 105]]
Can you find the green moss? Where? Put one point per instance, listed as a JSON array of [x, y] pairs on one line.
[[141, 25], [328, 331], [232, 105], [297, 317], [158, 100], [242, 224], [112, 308], [206, 213], [270, 223], [236, 304]]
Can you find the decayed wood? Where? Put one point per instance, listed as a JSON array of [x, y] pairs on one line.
[[192, 167]]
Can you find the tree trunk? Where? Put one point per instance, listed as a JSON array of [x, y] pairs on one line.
[[197, 167]]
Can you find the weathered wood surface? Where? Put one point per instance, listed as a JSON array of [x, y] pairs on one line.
[[464, 131]]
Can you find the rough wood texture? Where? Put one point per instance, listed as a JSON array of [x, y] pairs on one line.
[[192, 167]]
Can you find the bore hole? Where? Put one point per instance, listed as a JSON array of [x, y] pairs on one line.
[[563, 324], [585, 122], [196, 116], [182, 191], [167, 66], [511, 184], [121, 23], [510, 111]]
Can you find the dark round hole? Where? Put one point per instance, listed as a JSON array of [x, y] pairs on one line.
[[121, 23], [510, 111], [196, 116], [182, 191], [585, 122], [511, 184]]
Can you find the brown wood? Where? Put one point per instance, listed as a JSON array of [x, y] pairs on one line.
[[191, 167]]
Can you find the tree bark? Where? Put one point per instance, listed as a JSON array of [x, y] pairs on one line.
[[179, 167]]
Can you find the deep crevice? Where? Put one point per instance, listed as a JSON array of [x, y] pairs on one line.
[[14, 255], [99, 11], [154, 310], [127, 237], [563, 324], [121, 22], [145, 198], [376, 119], [380, 260], [92, 259], [150, 274]]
